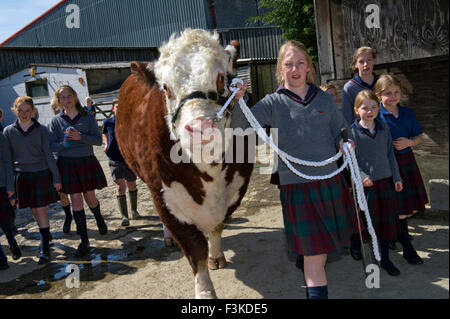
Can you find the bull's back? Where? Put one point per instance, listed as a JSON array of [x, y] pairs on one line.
[[140, 125]]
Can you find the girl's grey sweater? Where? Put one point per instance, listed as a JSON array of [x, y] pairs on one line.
[[309, 131], [375, 154], [86, 125], [31, 151], [6, 168]]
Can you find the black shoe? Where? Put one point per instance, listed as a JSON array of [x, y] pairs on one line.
[[15, 251], [299, 263], [44, 258], [355, 253], [4, 264], [66, 226], [413, 258], [390, 268], [82, 250], [102, 228]]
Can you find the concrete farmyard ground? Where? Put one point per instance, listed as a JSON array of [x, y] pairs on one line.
[[134, 263]]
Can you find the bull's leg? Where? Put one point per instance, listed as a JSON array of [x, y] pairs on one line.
[[195, 247], [203, 285], [216, 258]]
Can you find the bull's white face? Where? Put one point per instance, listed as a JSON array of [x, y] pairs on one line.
[[195, 61]]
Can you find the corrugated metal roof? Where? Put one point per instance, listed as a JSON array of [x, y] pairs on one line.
[[256, 43], [117, 23], [13, 59]]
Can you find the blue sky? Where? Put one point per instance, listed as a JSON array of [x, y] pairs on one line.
[[15, 14]]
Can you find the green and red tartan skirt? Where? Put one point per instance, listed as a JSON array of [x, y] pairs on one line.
[[413, 196], [383, 208], [6, 211], [35, 189], [319, 216], [80, 174]]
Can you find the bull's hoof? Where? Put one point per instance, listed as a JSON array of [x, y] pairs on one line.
[[216, 263], [206, 294]]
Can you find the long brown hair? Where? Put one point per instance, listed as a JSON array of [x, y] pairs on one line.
[[292, 44], [78, 105]]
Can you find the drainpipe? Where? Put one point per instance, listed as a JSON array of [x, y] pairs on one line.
[[213, 13]]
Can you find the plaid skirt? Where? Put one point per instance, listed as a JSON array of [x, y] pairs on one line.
[[382, 203], [413, 196], [319, 217], [80, 174], [35, 189], [6, 210]]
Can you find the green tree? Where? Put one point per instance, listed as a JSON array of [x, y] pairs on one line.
[[294, 17]]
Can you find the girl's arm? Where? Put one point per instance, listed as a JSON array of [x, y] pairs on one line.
[[50, 160], [5, 155]]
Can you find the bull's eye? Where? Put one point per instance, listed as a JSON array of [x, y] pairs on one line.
[[222, 78]]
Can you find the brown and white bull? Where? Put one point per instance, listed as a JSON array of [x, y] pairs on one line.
[[166, 109]]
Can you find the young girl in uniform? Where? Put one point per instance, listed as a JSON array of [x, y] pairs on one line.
[[6, 210], [330, 88], [64, 198], [309, 127], [122, 175], [363, 61], [73, 132], [406, 133], [379, 172], [37, 177]]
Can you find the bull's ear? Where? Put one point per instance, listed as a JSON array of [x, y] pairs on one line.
[[168, 92], [143, 72], [234, 49]]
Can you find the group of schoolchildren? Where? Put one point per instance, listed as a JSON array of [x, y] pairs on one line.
[[42, 165], [319, 215]]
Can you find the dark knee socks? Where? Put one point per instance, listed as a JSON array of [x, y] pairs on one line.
[[45, 240], [320, 292], [403, 237], [80, 220], [67, 212], [384, 250]]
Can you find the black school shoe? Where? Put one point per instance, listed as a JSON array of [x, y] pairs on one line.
[[82, 250], [16, 252], [66, 226], [390, 268], [44, 258], [413, 258]]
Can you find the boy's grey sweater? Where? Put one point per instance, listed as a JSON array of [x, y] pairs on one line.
[[309, 132], [90, 135], [375, 156], [6, 168], [31, 153]]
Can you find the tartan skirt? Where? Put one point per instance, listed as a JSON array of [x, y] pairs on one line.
[[382, 203], [413, 196], [6, 210], [319, 217], [35, 189], [80, 174]]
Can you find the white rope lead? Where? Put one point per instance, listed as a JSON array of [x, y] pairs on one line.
[[349, 159]]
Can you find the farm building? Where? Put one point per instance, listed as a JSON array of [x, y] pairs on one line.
[[99, 81], [82, 32], [411, 40]]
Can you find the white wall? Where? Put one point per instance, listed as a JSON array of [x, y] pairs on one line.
[[14, 86]]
